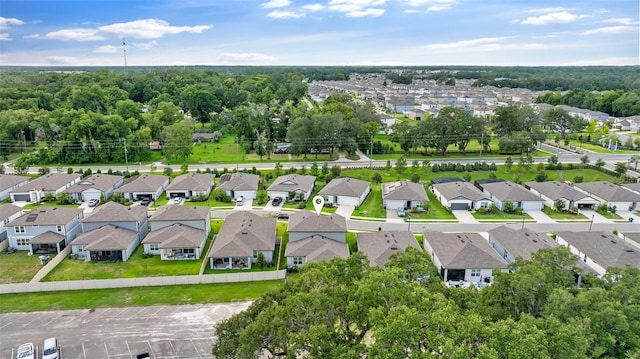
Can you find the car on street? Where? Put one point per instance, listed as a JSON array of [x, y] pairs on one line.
[[276, 201], [145, 201], [25, 351], [283, 215], [93, 202]]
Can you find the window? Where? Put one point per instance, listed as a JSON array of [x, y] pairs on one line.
[[59, 228], [188, 250], [81, 247], [22, 241], [35, 226], [19, 229], [475, 272], [255, 254], [298, 261], [154, 246]]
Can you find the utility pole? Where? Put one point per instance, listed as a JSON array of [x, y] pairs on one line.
[[523, 214], [591, 224], [370, 152], [481, 145], [237, 153], [126, 159]]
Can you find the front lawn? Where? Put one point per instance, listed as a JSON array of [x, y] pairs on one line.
[[19, 267], [499, 215], [372, 205], [562, 215], [137, 296]]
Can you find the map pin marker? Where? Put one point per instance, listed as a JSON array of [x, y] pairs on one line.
[[318, 203]]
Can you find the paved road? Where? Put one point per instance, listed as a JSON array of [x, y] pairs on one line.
[[176, 332]]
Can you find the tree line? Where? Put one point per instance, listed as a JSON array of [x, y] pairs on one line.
[[618, 103]]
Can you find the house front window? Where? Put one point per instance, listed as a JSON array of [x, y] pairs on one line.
[[188, 251], [154, 246], [475, 272], [22, 241], [81, 248], [255, 254], [19, 229], [298, 261], [59, 228]]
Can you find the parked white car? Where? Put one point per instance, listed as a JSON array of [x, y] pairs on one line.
[[50, 349], [25, 351]]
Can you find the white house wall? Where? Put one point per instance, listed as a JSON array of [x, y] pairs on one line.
[[531, 205], [595, 266], [6, 193], [501, 251], [394, 203], [281, 194]]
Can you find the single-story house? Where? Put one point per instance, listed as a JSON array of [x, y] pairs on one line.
[[514, 243], [460, 195], [32, 230], [176, 242], [600, 250], [191, 185], [144, 186], [632, 238], [9, 183], [379, 246], [613, 195], [53, 183], [240, 184], [416, 114], [242, 236], [98, 186], [503, 192], [463, 256], [553, 191], [133, 218], [314, 238], [635, 186], [193, 216], [106, 243], [8, 212], [346, 191], [292, 186], [403, 194]]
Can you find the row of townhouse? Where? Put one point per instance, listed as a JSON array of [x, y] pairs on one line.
[[457, 194]]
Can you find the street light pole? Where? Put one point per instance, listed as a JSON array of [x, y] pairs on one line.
[[370, 151], [591, 224], [523, 214], [126, 159], [481, 145]]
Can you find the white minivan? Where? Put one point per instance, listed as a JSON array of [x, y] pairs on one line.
[[50, 349]]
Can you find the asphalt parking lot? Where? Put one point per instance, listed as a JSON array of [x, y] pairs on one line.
[[165, 332]]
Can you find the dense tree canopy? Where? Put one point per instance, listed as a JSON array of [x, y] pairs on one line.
[[347, 309]]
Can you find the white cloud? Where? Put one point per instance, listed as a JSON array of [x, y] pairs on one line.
[[320, 37], [276, 4], [466, 43], [150, 29], [313, 7], [107, 49], [145, 45], [561, 17], [5, 37], [74, 34], [5, 23], [436, 8], [546, 10], [284, 14], [34, 36], [66, 60], [357, 8], [610, 30], [245, 58]]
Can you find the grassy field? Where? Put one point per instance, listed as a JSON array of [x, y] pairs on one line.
[[140, 296], [18, 267], [372, 205], [562, 215], [501, 216]]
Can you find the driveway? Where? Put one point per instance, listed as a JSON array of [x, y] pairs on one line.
[[540, 217], [245, 206], [627, 214], [464, 216], [597, 217], [345, 211]]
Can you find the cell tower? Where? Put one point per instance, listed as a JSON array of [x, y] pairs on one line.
[[124, 52]]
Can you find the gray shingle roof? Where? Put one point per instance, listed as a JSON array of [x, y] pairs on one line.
[[105, 238], [144, 183], [609, 191], [242, 233], [510, 192], [632, 186], [100, 181], [345, 186], [453, 190], [556, 190], [292, 183], [317, 248], [8, 209], [176, 236], [404, 190], [239, 182], [47, 216], [306, 221], [379, 246], [47, 237], [192, 182], [8, 181], [180, 213], [463, 251], [522, 242], [115, 212], [604, 248], [49, 182]]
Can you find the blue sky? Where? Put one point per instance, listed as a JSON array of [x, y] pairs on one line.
[[322, 32]]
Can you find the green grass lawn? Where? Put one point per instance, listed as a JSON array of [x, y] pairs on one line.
[[19, 267], [32, 206], [435, 210], [599, 149], [562, 215], [352, 242], [137, 266], [137, 296], [372, 205], [610, 215], [501, 216]]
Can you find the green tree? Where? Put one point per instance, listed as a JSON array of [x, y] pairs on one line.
[[634, 159], [508, 163], [376, 178], [177, 141], [584, 160], [401, 164], [599, 163], [621, 168]]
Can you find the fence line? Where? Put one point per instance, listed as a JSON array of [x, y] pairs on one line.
[[52, 264], [141, 282]]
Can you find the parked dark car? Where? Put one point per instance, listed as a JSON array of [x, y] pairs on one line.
[[283, 215], [276, 201]]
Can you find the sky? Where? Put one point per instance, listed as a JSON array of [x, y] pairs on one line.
[[319, 32]]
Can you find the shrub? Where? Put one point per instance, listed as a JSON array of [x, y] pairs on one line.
[[578, 179]]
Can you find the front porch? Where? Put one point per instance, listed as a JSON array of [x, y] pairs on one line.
[[230, 263]]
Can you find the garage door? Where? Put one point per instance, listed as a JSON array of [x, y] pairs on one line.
[[459, 206], [22, 197]]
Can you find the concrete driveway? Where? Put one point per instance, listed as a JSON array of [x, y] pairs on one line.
[[597, 217], [345, 211], [540, 217], [464, 216]]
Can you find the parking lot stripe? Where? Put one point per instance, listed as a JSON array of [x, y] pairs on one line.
[[128, 349], [151, 350], [83, 352], [106, 349]]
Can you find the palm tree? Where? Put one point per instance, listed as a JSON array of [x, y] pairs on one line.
[[635, 159]]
